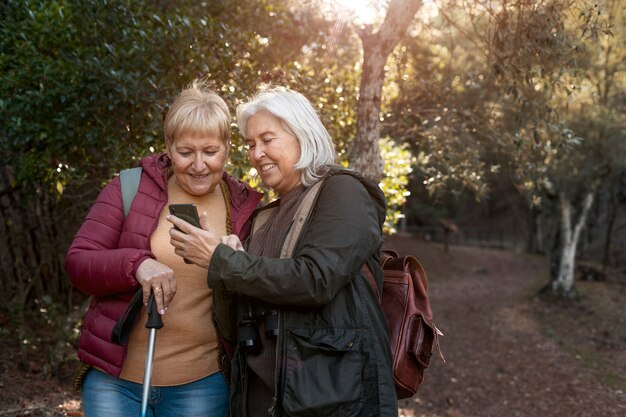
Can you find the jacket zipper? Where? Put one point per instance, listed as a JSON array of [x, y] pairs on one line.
[[273, 411]]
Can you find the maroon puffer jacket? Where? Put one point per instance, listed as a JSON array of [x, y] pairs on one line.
[[107, 250]]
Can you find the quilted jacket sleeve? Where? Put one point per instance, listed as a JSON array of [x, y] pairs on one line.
[[342, 233], [94, 262]]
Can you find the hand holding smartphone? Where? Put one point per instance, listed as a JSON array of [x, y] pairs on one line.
[[188, 213]]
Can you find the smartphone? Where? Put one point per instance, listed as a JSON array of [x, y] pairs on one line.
[[187, 212]]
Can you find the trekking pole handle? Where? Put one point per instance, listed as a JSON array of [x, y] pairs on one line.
[[154, 318]]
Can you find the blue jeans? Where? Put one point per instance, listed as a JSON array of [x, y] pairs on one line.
[[104, 395]]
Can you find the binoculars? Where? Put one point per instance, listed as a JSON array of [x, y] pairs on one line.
[[248, 330]]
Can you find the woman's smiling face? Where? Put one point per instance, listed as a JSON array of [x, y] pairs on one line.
[[273, 152], [198, 161]]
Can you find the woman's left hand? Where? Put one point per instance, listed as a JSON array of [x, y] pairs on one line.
[[192, 243], [232, 241]]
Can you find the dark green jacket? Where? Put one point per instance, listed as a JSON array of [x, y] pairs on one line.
[[333, 351]]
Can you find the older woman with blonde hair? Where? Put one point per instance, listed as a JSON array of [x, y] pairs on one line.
[[113, 256], [312, 338]]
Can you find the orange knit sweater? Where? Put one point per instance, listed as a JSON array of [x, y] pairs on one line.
[[186, 346]]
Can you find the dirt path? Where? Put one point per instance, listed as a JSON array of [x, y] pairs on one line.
[[499, 363]]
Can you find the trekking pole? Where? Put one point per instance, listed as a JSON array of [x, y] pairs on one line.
[[153, 323]]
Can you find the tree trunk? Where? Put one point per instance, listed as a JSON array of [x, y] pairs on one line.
[[563, 283], [365, 154]]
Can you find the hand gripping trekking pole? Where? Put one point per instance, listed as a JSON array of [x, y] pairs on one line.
[[154, 322]]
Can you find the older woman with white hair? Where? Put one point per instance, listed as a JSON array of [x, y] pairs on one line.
[[311, 337]]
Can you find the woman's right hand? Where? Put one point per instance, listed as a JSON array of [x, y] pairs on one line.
[[153, 275]]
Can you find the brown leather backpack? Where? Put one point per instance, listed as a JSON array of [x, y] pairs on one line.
[[406, 306]]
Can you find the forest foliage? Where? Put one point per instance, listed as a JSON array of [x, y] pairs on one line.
[[531, 93]]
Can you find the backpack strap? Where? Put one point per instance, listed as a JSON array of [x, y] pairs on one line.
[[300, 218], [129, 183]]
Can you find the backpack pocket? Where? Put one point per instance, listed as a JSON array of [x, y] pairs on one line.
[[420, 340], [324, 372]]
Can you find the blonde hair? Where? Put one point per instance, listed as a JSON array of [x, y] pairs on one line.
[[197, 109], [298, 116]]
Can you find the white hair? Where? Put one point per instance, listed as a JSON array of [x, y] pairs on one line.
[[299, 118]]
